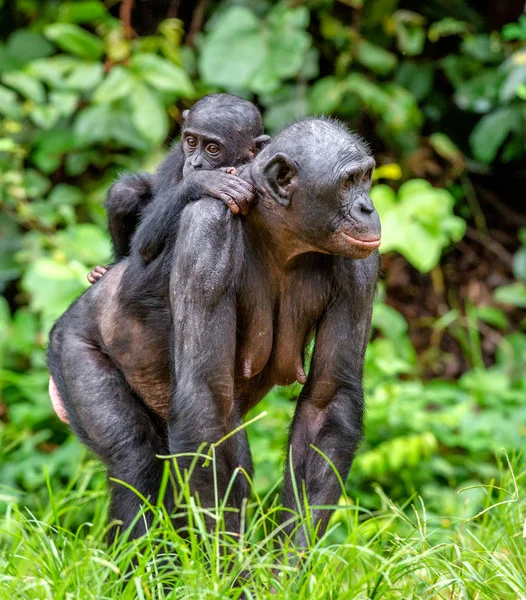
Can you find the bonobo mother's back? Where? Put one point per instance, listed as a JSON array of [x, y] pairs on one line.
[[139, 348]]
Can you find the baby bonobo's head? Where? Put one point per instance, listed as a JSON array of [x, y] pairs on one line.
[[221, 130]]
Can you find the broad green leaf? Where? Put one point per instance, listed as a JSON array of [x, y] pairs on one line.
[[491, 131], [326, 95], [516, 77], [86, 242], [76, 40], [162, 74], [417, 77], [52, 287], [93, 124], [65, 194], [27, 86], [84, 11], [28, 45], [8, 103], [419, 223], [483, 47], [514, 294], [375, 57], [446, 27], [45, 116], [84, 76], [119, 83], [148, 115], [233, 50]]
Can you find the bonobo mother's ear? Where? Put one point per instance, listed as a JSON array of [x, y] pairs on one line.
[[185, 113], [260, 142], [280, 175]]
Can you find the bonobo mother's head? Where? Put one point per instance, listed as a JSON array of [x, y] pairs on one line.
[[315, 177]]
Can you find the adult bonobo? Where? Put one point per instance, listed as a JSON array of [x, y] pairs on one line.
[[244, 295]]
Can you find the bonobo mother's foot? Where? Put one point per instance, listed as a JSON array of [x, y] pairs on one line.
[[96, 273]]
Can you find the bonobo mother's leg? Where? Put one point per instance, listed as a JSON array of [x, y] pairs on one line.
[[108, 417], [329, 414], [208, 260]]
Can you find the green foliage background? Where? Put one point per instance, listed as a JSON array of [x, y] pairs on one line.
[[83, 98]]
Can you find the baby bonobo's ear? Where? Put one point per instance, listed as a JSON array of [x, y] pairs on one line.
[[260, 142], [185, 113]]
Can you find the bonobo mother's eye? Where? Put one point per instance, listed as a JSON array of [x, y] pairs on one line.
[[212, 149], [348, 182], [190, 142]]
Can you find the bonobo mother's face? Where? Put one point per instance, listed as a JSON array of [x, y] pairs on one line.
[[319, 175]]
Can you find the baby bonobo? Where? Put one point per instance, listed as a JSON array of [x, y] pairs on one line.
[[220, 131]]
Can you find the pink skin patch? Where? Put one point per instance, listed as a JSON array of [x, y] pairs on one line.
[[56, 400]]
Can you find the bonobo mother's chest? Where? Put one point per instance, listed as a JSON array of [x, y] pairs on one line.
[[277, 312]]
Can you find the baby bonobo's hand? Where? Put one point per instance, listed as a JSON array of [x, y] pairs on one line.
[[96, 273], [225, 185]]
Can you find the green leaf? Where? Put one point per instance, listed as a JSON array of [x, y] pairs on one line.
[[483, 47], [8, 103], [93, 124], [148, 115], [162, 74], [516, 77], [491, 316], [65, 194], [446, 27], [45, 116], [376, 58], [491, 131], [234, 49], [118, 84], [86, 242], [27, 86], [26, 46], [84, 11], [65, 102], [419, 223], [514, 294], [84, 76], [326, 95], [76, 40]]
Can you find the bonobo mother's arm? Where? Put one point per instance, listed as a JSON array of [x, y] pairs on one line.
[[206, 273], [329, 413], [160, 225]]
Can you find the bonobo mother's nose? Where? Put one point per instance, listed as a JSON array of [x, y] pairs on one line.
[[364, 214], [365, 206]]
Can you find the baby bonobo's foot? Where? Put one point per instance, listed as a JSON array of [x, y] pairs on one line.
[[96, 273]]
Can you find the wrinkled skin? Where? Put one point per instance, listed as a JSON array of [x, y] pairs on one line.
[[161, 358]]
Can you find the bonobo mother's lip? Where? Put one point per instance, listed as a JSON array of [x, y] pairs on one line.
[[364, 244]]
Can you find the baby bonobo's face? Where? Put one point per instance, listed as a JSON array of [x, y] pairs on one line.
[[213, 144]]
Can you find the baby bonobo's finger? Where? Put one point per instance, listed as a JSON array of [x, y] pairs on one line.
[[230, 203], [96, 273]]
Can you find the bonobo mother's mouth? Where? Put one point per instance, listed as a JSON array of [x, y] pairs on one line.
[[364, 244]]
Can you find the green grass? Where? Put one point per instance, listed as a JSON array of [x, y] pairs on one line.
[[59, 552]]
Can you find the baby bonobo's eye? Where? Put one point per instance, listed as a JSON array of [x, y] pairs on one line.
[[212, 149], [190, 142]]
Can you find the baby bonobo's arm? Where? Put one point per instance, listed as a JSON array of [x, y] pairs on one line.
[[159, 227], [125, 203]]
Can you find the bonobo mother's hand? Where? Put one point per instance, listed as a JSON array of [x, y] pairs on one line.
[[225, 185]]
